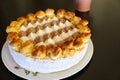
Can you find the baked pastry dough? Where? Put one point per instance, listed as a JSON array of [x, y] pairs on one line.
[[47, 34]]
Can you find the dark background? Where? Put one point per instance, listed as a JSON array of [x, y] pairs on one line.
[[104, 21]]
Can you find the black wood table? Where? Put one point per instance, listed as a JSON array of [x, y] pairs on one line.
[[104, 21]]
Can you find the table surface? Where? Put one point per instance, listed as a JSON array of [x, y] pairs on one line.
[[104, 21]]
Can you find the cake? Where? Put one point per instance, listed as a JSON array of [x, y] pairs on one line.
[[48, 41]]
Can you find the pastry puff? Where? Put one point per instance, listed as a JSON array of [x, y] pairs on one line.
[[68, 44], [78, 43], [50, 13], [21, 20], [12, 35], [68, 49], [81, 41], [68, 52], [75, 20], [16, 44], [83, 28], [85, 37], [61, 13], [84, 22], [13, 27], [39, 52], [54, 52], [69, 15], [27, 48], [40, 14], [30, 17]]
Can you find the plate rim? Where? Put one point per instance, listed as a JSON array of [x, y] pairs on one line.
[[71, 71]]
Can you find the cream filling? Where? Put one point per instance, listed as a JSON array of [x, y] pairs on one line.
[[23, 28], [62, 25], [40, 32], [67, 23], [48, 30], [56, 27], [49, 41], [32, 36], [24, 38], [37, 23], [30, 25], [59, 38], [40, 43]]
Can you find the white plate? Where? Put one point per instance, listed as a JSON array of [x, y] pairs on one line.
[[10, 64]]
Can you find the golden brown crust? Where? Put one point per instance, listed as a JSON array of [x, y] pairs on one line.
[[75, 20], [40, 14], [30, 17], [61, 13], [67, 52], [13, 27], [16, 44], [69, 15], [28, 35], [68, 44], [27, 48], [39, 52], [85, 37], [78, 44], [21, 20], [12, 35], [54, 52], [83, 29], [50, 13]]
